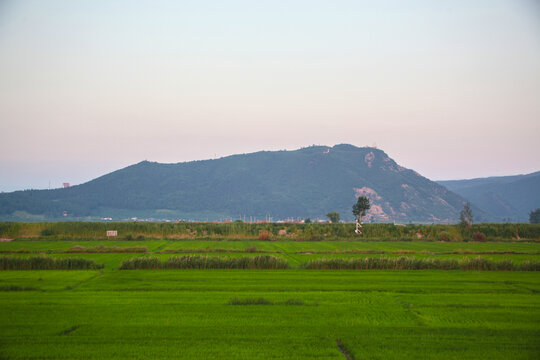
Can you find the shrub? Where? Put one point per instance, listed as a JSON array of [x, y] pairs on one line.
[[47, 232], [444, 236], [264, 236], [478, 236]]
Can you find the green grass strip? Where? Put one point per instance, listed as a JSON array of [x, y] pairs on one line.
[[205, 262], [412, 263], [47, 263]]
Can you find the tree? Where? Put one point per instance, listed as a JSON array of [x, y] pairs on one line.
[[359, 210], [307, 221], [333, 216], [466, 216], [534, 216]]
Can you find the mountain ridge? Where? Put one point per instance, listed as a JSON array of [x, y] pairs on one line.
[[308, 182], [505, 198]]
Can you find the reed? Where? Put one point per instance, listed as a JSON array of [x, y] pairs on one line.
[[412, 263], [107, 249], [47, 263], [205, 262]]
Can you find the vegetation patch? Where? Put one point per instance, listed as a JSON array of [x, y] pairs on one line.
[[108, 249], [205, 262], [47, 263], [412, 263], [16, 288], [250, 301], [263, 301], [270, 231], [68, 331]]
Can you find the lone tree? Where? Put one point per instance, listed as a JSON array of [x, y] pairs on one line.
[[359, 210], [466, 216], [333, 216], [534, 216]]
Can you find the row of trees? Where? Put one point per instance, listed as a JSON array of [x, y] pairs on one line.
[[466, 218]]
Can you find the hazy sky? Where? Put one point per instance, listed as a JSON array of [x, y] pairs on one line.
[[450, 89]]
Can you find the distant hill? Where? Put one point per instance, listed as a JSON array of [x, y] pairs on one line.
[[308, 182], [503, 198]]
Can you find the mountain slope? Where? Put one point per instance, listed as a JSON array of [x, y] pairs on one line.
[[504, 197], [308, 182]]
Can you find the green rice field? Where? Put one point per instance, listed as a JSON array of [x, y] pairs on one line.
[[268, 314]]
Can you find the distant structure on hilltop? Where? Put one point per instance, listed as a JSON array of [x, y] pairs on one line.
[[66, 185]]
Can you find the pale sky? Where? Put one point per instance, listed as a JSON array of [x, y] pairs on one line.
[[450, 89]]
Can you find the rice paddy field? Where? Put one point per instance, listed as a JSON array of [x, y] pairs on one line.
[[292, 313]]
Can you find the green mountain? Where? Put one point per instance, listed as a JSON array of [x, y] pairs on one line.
[[308, 182], [508, 198]]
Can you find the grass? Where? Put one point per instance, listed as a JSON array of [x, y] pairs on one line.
[[288, 314], [113, 253], [205, 262], [412, 263], [46, 263], [145, 314]]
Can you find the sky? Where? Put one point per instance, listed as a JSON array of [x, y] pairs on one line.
[[450, 89]]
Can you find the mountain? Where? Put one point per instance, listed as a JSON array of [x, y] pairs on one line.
[[503, 198], [308, 182]]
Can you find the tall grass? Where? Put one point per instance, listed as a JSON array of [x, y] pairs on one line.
[[240, 230], [107, 249], [412, 263], [205, 262], [47, 263]]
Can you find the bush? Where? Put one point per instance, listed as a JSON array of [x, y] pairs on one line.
[[47, 232], [478, 236], [264, 236], [444, 236]]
